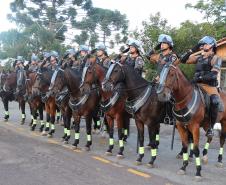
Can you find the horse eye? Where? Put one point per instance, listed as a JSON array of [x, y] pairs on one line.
[[116, 70]]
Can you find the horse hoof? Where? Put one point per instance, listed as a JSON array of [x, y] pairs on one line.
[[6, 120], [65, 142], [181, 172], [87, 148], [219, 165], [179, 156], [205, 159], [120, 156], [44, 133], [73, 147], [138, 163], [149, 165], [198, 178], [108, 153], [50, 135]]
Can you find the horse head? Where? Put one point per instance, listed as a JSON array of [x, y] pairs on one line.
[[42, 81], [93, 74], [10, 82], [171, 82], [58, 81], [114, 75]]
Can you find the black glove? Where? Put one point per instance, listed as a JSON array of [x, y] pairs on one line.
[[149, 53], [184, 57], [196, 48]]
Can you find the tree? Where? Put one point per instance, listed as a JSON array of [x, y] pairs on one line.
[[152, 28], [213, 12], [100, 24], [43, 23]]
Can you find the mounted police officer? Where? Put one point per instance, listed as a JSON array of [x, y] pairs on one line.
[[165, 44], [54, 57], [102, 55], [208, 66], [19, 63], [83, 53], [34, 63], [135, 60]]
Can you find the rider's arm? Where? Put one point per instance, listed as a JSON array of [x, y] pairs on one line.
[[188, 58], [139, 64]]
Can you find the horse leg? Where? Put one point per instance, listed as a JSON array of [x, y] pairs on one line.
[[47, 121], [31, 112], [88, 132], [222, 141], [65, 127], [126, 123], [23, 112], [195, 133], [122, 122], [140, 129], [184, 138], [153, 145], [110, 122], [97, 123], [77, 131], [34, 119], [106, 129], [6, 107], [68, 124], [190, 140], [40, 110], [58, 114]]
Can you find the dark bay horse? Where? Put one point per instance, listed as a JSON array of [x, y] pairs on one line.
[[62, 101], [12, 81], [6, 96], [35, 102], [190, 111], [81, 104], [41, 88], [143, 101], [113, 104]]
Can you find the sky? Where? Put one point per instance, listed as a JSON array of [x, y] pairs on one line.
[[137, 11]]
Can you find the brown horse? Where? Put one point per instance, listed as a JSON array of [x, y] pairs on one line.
[[142, 102], [35, 102], [10, 85], [81, 104], [190, 111], [5, 96], [62, 101], [113, 104], [41, 88]]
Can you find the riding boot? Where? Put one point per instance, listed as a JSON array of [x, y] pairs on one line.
[[214, 102]]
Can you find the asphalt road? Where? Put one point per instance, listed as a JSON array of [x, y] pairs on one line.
[[27, 158]]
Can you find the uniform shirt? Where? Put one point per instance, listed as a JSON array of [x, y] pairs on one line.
[[136, 62]]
